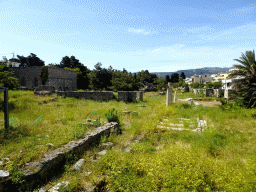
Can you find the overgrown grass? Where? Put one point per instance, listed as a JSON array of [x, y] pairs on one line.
[[222, 158]]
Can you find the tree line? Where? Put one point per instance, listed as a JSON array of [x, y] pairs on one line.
[[111, 79], [101, 78]]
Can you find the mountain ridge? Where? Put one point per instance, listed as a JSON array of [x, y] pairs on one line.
[[191, 72]]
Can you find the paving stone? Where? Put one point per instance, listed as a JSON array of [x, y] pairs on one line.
[[90, 189], [3, 174], [103, 152], [179, 125], [127, 112], [87, 172], [173, 128], [78, 165], [94, 158], [42, 189], [107, 144], [57, 187], [50, 145], [199, 130], [184, 119], [127, 149], [202, 123]]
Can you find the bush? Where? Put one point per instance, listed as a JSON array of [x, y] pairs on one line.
[[209, 85], [97, 123], [186, 105], [112, 116], [217, 85]]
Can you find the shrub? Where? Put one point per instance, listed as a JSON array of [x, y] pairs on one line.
[[186, 105], [112, 116], [97, 123]]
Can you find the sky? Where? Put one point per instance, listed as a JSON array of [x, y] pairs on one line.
[[157, 35]]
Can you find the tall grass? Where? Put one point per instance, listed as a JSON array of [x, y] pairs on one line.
[[222, 158]]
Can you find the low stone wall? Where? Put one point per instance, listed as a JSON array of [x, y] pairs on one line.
[[218, 92], [140, 95], [209, 92], [130, 96], [53, 160], [94, 95], [50, 89], [199, 91]]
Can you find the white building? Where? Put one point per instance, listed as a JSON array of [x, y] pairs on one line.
[[201, 78]]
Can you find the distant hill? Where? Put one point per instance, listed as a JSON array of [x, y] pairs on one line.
[[191, 72]]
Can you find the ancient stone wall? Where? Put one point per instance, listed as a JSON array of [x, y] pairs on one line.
[[52, 160], [62, 79], [130, 96], [28, 76], [95, 95], [209, 92], [127, 96], [218, 92], [40, 88]]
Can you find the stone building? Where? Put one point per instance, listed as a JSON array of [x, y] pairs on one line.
[[61, 79]]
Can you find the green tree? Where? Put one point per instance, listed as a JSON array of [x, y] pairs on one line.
[[217, 85], [175, 77], [209, 85], [123, 81], [183, 75], [145, 76], [31, 60], [82, 71], [7, 78], [160, 83], [195, 85], [100, 78], [246, 85], [167, 78]]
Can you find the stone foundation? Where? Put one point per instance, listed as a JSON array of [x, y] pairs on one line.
[[52, 161], [49, 89], [130, 96], [95, 95]]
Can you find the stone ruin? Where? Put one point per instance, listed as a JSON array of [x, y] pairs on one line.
[[148, 87], [44, 90]]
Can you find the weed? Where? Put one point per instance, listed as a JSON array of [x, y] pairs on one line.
[[16, 175], [112, 116], [97, 123], [186, 105]]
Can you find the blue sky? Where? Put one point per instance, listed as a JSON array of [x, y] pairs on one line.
[[158, 35]]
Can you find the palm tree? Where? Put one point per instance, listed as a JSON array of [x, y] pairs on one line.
[[245, 84]]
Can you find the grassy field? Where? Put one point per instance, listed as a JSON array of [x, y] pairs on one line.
[[222, 158]]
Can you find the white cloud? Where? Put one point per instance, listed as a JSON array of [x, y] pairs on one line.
[[138, 31], [168, 49]]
